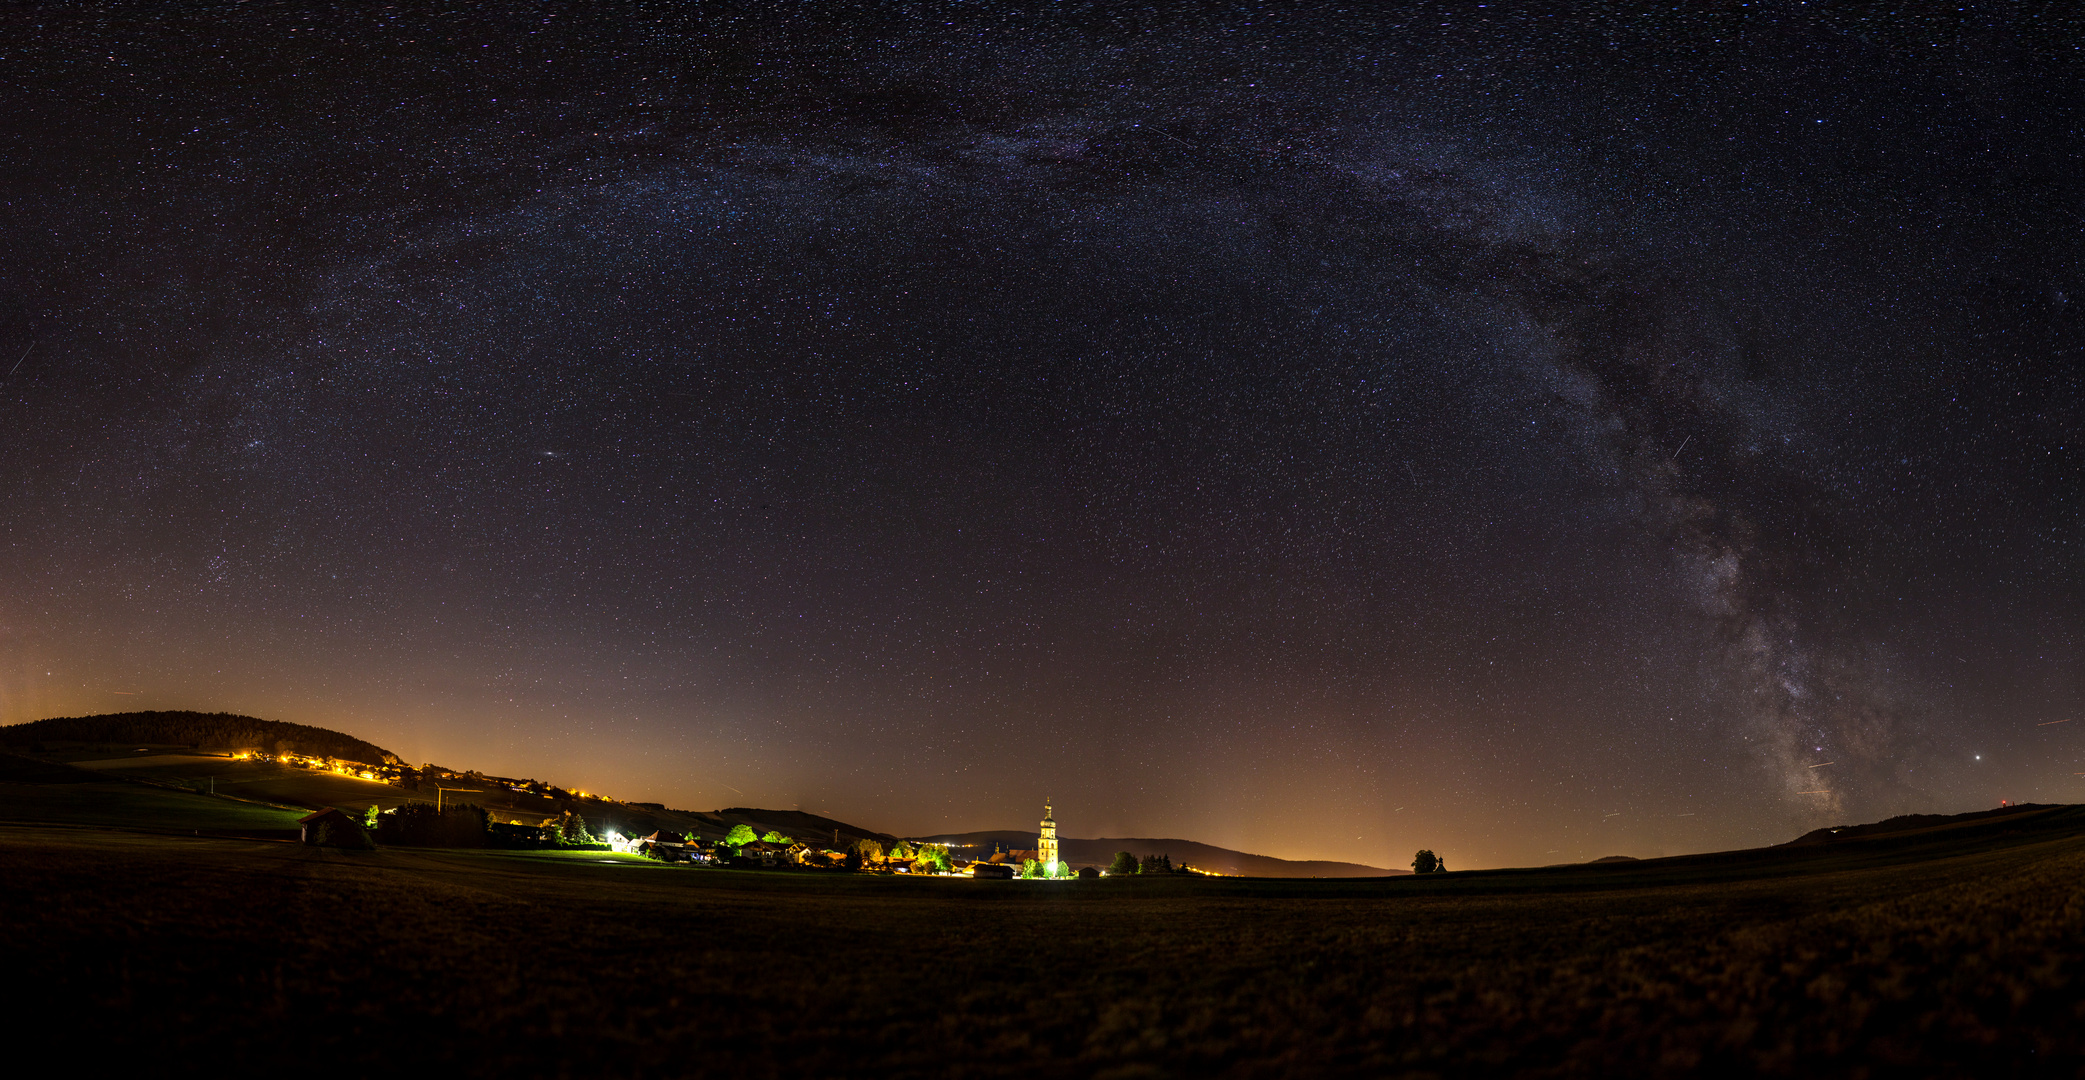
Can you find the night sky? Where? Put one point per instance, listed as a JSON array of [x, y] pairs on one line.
[[1319, 432]]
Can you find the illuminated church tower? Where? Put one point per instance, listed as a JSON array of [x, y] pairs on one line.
[[1046, 847]]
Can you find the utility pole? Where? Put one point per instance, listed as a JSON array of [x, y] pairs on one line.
[[438, 789]]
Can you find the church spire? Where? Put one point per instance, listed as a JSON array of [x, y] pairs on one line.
[[1046, 844]]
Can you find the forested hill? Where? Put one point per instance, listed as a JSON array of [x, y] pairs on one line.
[[220, 731]]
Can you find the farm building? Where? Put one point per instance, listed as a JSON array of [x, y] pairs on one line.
[[666, 845], [329, 827]]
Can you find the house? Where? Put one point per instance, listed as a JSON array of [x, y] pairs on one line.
[[768, 854], [329, 827], [826, 859], [992, 870], [666, 846]]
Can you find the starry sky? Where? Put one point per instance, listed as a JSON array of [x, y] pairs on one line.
[[1321, 431]]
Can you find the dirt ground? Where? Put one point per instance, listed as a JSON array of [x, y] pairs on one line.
[[1964, 957]]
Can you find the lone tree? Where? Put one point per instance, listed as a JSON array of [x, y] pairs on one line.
[[1124, 863], [1426, 862], [571, 830], [932, 858]]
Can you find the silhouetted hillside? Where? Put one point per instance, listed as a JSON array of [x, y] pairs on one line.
[[810, 828], [218, 731], [1907, 823]]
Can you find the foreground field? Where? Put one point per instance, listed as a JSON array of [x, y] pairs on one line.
[[135, 806], [1964, 956]]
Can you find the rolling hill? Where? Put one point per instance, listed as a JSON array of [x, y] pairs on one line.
[[221, 731], [47, 792], [260, 779], [1910, 825]]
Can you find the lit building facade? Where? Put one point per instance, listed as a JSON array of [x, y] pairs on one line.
[[1046, 845]]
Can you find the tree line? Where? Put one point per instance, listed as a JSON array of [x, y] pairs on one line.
[[457, 825], [1126, 863]]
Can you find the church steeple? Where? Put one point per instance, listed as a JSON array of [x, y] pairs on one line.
[[1046, 845]]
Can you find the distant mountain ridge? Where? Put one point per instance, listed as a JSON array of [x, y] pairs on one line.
[[1100, 851], [224, 731]]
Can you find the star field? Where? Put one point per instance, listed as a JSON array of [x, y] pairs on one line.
[[1317, 432]]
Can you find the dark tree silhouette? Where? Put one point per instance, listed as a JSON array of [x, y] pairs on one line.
[[418, 824], [1425, 862]]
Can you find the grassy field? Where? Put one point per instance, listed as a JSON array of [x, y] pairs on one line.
[[134, 806], [264, 780], [1956, 953]]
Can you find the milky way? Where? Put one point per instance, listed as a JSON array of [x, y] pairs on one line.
[[1527, 438]]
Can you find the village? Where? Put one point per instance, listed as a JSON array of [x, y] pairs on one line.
[[457, 808]]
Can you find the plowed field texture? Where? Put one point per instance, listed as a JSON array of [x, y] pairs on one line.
[[1953, 951]]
